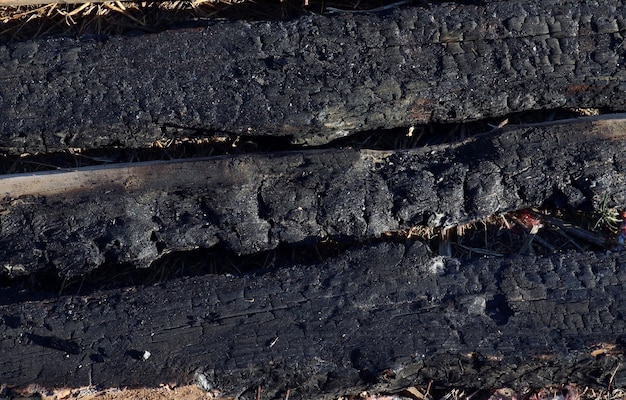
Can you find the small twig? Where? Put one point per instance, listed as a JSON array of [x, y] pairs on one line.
[[82, 281], [499, 126], [481, 251], [544, 243], [428, 388], [613, 376], [377, 9], [569, 239], [580, 233], [41, 164], [318, 254], [444, 243], [527, 246]]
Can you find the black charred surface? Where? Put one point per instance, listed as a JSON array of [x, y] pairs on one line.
[[378, 317], [322, 330], [252, 203], [315, 78]]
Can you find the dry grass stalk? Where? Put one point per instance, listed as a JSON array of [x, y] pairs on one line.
[[26, 19], [581, 233]]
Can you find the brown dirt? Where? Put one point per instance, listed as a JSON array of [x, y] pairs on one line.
[[190, 392]]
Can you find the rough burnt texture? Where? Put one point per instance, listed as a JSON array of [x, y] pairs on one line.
[[382, 317], [377, 317], [77, 220], [315, 78]]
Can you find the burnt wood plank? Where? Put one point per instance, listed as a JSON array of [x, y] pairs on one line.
[[77, 220], [382, 317], [315, 78]]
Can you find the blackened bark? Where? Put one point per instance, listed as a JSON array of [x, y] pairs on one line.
[[77, 220], [382, 317], [315, 78]]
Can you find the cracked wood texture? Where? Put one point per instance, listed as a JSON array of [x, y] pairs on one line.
[[77, 220], [315, 78], [382, 317]]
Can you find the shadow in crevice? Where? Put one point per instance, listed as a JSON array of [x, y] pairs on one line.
[[497, 236], [50, 282], [439, 133], [195, 142], [65, 345], [498, 309]]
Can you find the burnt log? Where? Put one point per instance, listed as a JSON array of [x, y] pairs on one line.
[[315, 78], [134, 213], [380, 318]]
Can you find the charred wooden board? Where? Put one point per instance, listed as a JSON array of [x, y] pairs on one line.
[[77, 220], [382, 317], [315, 78]]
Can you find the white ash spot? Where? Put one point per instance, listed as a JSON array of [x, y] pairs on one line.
[[202, 382], [437, 265], [477, 306]]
